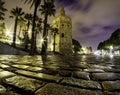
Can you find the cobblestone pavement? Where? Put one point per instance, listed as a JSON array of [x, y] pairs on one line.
[[59, 75]]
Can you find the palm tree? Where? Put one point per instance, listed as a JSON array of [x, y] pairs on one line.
[[55, 31], [2, 29], [38, 29], [28, 18], [22, 25], [2, 10], [16, 13], [48, 9], [2, 14], [76, 46], [36, 4]]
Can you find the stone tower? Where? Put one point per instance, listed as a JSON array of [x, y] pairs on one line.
[[63, 39]]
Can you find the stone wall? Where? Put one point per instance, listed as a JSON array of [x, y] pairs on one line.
[[7, 49]]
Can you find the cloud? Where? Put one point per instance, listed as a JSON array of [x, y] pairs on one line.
[[83, 5], [92, 18]]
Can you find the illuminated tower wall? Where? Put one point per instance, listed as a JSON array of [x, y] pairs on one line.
[[63, 39]]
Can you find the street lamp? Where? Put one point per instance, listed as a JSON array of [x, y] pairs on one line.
[[111, 47], [111, 54], [42, 40]]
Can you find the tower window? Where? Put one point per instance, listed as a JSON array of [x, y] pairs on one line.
[[62, 25], [62, 34]]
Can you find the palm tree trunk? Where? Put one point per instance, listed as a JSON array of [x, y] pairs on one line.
[[54, 43], [27, 38], [19, 31], [28, 25], [35, 41], [44, 44], [33, 34], [15, 30]]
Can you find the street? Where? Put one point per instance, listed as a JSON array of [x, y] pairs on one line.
[[59, 75]]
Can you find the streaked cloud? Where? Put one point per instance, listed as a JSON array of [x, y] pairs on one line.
[[92, 19]]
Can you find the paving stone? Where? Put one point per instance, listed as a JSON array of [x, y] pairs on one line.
[[81, 83], [115, 66], [4, 74], [48, 77], [56, 89], [41, 76], [111, 93], [79, 74], [34, 68], [26, 73], [49, 71], [2, 89], [94, 70], [64, 73], [11, 93], [21, 66], [70, 68], [51, 67], [80, 65], [27, 84], [4, 66], [100, 67], [113, 70], [106, 76], [111, 85]]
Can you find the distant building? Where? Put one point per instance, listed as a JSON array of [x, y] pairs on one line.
[[63, 39]]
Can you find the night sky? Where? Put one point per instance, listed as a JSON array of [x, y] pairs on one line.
[[93, 20]]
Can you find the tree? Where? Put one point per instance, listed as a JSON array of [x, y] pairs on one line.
[[21, 25], [16, 13], [100, 46], [36, 4], [2, 14], [28, 18], [55, 31], [2, 33], [48, 9], [2, 10], [76, 45], [114, 40], [38, 29]]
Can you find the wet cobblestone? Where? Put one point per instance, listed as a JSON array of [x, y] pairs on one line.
[[59, 75]]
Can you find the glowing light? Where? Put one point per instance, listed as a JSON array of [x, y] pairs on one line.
[[8, 31], [84, 50], [51, 47], [29, 31], [111, 56], [111, 47], [42, 40], [97, 52]]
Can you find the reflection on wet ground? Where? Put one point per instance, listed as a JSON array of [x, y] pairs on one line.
[[59, 75]]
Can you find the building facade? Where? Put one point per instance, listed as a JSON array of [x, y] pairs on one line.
[[63, 37]]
